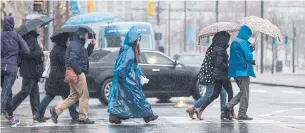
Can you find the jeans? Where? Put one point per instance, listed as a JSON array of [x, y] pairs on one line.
[[29, 87], [208, 95], [219, 85], [7, 82], [46, 101]]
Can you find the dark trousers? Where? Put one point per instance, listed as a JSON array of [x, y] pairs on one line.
[[46, 101], [29, 87], [7, 82], [219, 84]]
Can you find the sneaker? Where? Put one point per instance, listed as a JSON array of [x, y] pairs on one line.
[[13, 122], [86, 121], [244, 118], [38, 118], [150, 118], [6, 115], [54, 115]]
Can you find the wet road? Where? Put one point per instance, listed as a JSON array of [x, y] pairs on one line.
[[275, 110]]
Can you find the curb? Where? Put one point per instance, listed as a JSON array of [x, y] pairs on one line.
[[273, 84]]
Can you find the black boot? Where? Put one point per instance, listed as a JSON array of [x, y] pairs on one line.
[[244, 118], [114, 119], [150, 118], [227, 113], [86, 121], [54, 115], [38, 117]]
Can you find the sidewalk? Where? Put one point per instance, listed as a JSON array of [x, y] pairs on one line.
[[286, 79]]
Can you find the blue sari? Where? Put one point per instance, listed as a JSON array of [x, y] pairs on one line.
[[127, 99]]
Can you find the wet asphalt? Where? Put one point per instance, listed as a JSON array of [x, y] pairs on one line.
[[275, 110]]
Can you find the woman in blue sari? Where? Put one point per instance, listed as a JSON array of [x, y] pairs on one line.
[[127, 99]]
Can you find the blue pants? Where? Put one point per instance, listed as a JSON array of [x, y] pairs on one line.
[[7, 82], [208, 96], [46, 101]]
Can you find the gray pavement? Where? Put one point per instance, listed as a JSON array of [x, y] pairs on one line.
[[275, 110]]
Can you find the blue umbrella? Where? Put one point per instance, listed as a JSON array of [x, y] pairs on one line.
[[89, 18]]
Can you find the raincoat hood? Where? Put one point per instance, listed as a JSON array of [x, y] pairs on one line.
[[132, 36], [9, 23], [244, 32]]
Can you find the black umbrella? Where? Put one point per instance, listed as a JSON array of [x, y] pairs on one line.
[[71, 29], [33, 24]]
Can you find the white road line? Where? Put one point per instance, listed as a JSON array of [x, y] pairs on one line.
[[265, 115], [279, 111], [291, 92], [259, 91]]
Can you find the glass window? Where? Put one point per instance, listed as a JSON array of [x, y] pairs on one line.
[[157, 58], [191, 59]]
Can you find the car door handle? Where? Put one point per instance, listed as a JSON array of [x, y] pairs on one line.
[[155, 70]]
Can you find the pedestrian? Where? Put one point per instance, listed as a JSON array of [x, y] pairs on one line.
[[127, 99], [76, 57], [240, 68], [55, 85], [12, 45], [215, 75], [31, 69]]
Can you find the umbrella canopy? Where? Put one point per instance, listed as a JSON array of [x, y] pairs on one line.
[[33, 24], [71, 29], [261, 25], [89, 18], [217, 27]]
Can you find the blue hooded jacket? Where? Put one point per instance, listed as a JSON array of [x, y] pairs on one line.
[[12, 46], [241, 56], [127, 99]]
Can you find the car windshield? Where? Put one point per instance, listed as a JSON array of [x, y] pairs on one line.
[[117, 40], [191, 59]]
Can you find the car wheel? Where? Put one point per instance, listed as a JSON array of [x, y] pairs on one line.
[[164, 98], [105, 91], [199, 91]]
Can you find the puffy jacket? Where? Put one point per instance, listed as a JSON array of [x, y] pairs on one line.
[[55, 84], [77, 56], [220, 58], [32, 63], [12, 45], [241, 56]]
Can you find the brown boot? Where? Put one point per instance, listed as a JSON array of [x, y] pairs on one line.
[[114, 119], [191, 112], [199, 113]]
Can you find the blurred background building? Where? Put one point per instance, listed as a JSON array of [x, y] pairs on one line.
[[179, 22]]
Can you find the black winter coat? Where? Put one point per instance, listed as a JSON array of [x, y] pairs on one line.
[[32, 63], [55, 84], [220, 61]]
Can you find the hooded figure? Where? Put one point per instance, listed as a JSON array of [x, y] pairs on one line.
[[76, 58], [241, 56], [12, 46], [240, 67], [127, 99], [55, 85], [214, 73]]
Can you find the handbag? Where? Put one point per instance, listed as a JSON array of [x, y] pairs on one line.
[[71, 76], [47, 70]]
